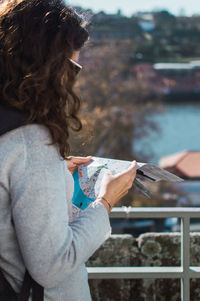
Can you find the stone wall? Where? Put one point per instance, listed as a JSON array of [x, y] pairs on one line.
[[151, 249]]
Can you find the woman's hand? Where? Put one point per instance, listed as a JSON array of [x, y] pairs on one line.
[[114, 187], [74, 162]]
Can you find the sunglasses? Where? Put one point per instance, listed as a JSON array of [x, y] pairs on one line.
[[75, 66]]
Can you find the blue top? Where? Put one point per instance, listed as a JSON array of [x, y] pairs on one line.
[[79, 198]]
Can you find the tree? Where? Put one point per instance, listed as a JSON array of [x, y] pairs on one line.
[[116, 104]]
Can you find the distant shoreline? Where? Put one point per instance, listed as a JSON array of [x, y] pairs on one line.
[[184, 97]]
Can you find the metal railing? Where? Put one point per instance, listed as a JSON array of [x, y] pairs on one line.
[[184, 272]]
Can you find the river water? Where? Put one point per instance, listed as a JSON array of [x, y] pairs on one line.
[[179, 126]]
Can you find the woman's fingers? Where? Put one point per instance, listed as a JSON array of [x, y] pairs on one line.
[[132, 169], [129, 174], [80, 160], [74, 162]]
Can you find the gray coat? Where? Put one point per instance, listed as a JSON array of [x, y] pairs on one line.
[[35, 228]]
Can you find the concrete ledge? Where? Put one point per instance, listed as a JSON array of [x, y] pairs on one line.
[[149, 250]]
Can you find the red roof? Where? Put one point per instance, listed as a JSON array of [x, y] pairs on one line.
[[186, 162]]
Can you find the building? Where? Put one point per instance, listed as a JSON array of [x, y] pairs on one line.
[[146, 21], [186, 165]]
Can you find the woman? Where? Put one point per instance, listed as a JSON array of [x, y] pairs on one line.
[[39, 39]]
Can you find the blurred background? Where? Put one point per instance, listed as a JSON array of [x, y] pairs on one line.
[[140, 87]]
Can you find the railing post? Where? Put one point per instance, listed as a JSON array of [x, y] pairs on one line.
[[185, 258]]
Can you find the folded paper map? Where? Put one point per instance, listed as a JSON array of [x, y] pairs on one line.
[[87, 178]]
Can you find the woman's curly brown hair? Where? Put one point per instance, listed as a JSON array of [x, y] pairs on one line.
[[37, 38]]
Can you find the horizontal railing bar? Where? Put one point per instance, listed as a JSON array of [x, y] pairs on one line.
[[135, 272], [154, 212], [194, 272], [140, 272]]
